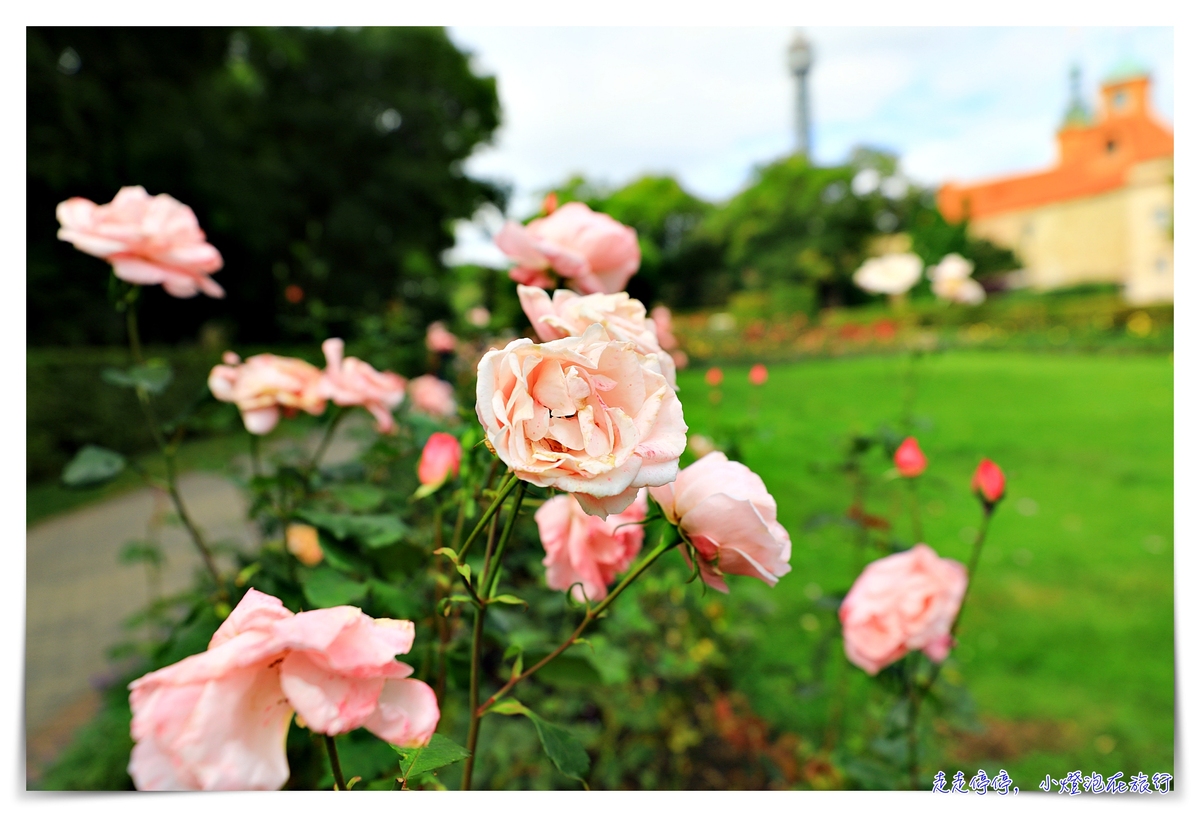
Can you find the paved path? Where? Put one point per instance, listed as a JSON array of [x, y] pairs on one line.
[[78, 593]]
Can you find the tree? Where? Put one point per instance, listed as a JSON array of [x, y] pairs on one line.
[[325, 164]]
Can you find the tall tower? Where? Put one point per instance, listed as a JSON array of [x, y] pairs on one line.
[[800, 59]]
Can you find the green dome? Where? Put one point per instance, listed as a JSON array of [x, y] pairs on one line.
[[1126, 68]]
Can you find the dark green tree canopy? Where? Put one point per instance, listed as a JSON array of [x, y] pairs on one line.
[[328, 160]]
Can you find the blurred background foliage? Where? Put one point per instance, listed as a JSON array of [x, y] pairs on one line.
[[328, 160]]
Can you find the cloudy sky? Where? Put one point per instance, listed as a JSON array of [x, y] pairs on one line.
[[708, 104]]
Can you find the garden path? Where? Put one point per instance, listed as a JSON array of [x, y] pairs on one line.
[[78, 594]]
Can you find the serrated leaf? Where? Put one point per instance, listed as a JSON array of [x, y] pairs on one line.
[[440, 752], [564, 749], [92, 465], [326, 587], [153, 376], [507, 599]]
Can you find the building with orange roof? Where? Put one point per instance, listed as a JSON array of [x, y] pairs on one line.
[[1103, 213]]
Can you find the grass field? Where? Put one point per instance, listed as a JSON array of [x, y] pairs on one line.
[[1067, 639]]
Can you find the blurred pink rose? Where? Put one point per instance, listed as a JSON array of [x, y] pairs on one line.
[[725, 511], [714, 376], [906, 601], [219, 719], [910, 460], [353, 382], [147, 239], [592, 251], [758, 374], [433, 396], [661, 316], [587, 415], [569, 314], [440, 458], [440, 339], [266, 383], [586, 550]]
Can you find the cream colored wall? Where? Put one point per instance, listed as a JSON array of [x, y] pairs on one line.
[[1117, 237]]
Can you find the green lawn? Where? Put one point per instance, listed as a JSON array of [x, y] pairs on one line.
[[1067, 639]]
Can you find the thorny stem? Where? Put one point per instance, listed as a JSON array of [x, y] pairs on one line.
[[918, 692], [592, 614], [339, 782]]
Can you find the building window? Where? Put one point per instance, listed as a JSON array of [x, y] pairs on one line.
[[1111, 146], [1120, 100]]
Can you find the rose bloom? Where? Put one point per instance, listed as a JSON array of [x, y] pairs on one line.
[[433, 396], [909, 459], [592, 251], [587, 415], [725, 511], [892, 274], [906, 601], [661, 316], [569, 314], [758, 374], [959, 290], [147, 239], [353, 382], [440, 458], [264, 384], [304, 543], [440, 339], [219, 719], [988, 482], [585, 553]]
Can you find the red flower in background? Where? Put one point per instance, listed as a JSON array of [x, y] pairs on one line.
[[988, 482], [758, 374], [714, 376], [909, 459]]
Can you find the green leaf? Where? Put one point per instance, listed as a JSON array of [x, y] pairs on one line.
[[325, 587], [397, 603], [92, 465], [465, 571], [447, 552], [372, 530], [153, 376], [426, 490], [440, 752], [507, 599], [360, 498], [562, 747]]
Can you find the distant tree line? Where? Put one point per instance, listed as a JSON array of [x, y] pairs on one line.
[[326, 165]]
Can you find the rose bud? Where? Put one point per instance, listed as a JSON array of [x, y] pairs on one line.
[[440, 459], [988, 483], [910, 462]]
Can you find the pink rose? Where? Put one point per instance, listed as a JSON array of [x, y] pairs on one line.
[[662, 327], [725, 511], [266, 383], [147, 239], [569, 314], [585, 553], [758, 374], [440, 458], [433, 396], [352, 382], [219, 719], [906, 601], [594, 252], [440, 339], [587, 415]]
